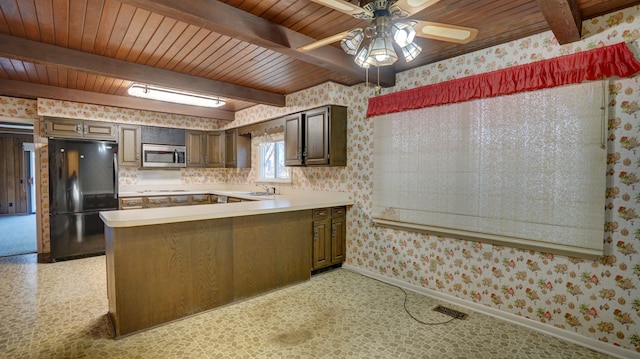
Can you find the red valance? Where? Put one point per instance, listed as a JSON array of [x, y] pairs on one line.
[[613, 60]]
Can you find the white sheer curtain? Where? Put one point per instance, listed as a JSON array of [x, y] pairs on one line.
[[526, 170]]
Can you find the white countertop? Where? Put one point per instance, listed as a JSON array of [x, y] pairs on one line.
[[291, 201]]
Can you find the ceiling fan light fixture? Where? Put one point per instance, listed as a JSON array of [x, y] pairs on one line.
[[175, 96], [411, 51], [352, 41], [361, 58], [381, 52], [403, 33]]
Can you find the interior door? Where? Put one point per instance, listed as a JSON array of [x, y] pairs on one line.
[[13, 195]]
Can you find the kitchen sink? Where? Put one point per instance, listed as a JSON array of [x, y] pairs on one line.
[[259, 194]]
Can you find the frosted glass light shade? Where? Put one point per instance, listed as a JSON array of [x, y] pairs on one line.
[[352, 41], [175, 96], [381, 52], [361, 58], [411, 51], [403, 33]]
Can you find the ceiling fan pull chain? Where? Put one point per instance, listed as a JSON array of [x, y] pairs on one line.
[[378, 88]]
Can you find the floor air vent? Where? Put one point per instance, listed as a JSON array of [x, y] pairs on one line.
[[451, 312]]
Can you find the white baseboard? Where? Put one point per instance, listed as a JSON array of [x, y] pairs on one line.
[[574, 338]]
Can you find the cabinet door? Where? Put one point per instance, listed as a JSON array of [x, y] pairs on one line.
[[130, 202], [100, 130], [293, 140], [64, 127], [338, 240], [321, 251], [195, 149], [215, 149], [230, 153], [129, 145], [316, 144], [156, 201]]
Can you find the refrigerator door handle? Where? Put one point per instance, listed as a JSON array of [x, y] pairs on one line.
[[115, 176]]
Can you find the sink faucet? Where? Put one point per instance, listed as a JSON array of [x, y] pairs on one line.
[[265, 188]]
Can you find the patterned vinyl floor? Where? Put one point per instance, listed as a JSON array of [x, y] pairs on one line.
[[58, 310]]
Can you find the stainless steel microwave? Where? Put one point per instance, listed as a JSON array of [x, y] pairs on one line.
[[163, 156]]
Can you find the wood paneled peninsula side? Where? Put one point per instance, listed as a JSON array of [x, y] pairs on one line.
[[167, 263]]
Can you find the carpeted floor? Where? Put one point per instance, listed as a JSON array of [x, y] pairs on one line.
[[17, 235]]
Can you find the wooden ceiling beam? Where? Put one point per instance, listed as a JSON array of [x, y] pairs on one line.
[[38, 52], [32, 91], [564, 19], [224, 19]]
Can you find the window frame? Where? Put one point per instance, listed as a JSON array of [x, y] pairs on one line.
[[272, 139]]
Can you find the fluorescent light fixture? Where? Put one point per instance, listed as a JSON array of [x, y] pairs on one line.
[[175, 96]]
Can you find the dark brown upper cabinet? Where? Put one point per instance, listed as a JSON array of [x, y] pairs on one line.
[[74, 128], [237, 149], [316, 137], [206, 149], [293, 136]]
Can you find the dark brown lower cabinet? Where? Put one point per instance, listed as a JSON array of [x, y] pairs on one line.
[[159, 273], [329, 237]]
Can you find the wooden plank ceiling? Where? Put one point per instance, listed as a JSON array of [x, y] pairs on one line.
[[245, 51]]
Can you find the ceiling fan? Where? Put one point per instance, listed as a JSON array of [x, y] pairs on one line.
[[390, 24]]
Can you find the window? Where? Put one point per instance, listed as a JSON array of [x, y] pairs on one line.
[[525, 170], [271, 163]]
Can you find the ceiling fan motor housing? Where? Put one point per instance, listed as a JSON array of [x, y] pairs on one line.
[[377, 7]]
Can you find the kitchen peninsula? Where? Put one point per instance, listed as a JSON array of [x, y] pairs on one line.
[[167, 263]]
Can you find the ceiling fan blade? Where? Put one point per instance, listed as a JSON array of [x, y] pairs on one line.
[[445, 32], [412, 7], [345, 7], [322, 42]]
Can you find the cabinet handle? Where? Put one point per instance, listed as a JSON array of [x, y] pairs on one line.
[[79, 128], [333, 231], [315, 234]]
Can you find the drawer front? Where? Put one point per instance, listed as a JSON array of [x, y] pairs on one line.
[[200, 199], [321, 213], [338, 212], [131, 203], [157, 201], [179, 200]]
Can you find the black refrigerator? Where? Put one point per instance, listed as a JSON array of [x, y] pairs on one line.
[[83, 180]]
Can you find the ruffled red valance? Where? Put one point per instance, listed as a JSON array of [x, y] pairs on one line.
[[614, 60]]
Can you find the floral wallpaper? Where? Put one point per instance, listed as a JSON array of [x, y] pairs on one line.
[[66, 109], [597, 299]]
